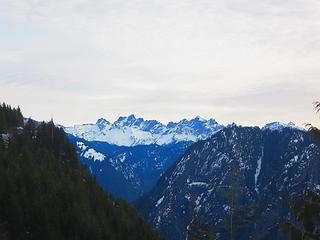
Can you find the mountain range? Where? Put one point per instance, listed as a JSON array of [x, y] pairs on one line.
[[128, 156], [131, 131], [187, 178]]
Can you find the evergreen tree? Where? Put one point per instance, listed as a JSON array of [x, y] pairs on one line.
[[306, 217], [315, 132], [239, 215], [3, 232], [194, 229], [207, 233], [197, 229]]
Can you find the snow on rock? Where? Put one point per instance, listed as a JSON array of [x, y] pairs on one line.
[[81, 146], [258, 169], [201, 184], [90, 153], [160, 201]]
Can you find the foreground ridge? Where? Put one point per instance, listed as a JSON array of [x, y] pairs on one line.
[[46, 194]]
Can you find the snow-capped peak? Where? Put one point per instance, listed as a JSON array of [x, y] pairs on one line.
[[279, 126], [131, 131], [125, 121], [198, 118], [102, 123]]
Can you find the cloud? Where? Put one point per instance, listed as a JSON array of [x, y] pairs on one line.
[[160, 59]]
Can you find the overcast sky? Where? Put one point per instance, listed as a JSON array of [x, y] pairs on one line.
[[243, 61]]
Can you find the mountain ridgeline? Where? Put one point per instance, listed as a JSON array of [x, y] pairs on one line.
[[132, 131], [247, 172], [45, 193]]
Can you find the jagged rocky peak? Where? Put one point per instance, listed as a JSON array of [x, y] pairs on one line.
[[171, 124], [195, 119], [199, 118], [125, 121], [200, 121], [140, 123], [196, 126], [102, 123]]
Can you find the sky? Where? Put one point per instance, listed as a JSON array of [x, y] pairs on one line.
[[244, 61]]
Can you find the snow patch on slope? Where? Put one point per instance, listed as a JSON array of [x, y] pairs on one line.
[[90, 153], [258, 169], [203, 184], [160, 201]]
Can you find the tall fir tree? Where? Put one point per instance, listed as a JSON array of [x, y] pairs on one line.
[[239, 215]]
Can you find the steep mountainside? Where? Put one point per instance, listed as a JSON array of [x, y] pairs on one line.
[[269, 164], [127, 172], [46, 194], [131, 131]]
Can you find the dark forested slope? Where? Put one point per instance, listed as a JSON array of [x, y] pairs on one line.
[[46, 194]]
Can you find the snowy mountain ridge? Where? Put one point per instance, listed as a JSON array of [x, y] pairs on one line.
[[279, 126], [132, 131]]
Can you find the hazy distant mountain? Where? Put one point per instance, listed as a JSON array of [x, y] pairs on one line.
[[131, 131], [273, 162]]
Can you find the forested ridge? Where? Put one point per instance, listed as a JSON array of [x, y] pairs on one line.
[[45, 193]]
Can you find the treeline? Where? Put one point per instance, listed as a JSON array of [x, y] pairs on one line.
[[9, 117], [46, 194]]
